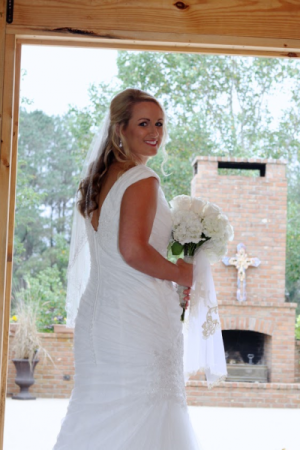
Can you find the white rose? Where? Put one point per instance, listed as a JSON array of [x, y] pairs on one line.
[[229, 233], [211, 208], [215, 225], [198, 205], [181, 202], [211, 226], [189, 224]]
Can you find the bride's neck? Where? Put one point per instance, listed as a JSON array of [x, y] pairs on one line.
[[121, 167]]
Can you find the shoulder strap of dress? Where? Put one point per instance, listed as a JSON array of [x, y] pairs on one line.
[[137, 173]]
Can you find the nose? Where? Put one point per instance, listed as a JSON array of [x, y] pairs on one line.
[[153, 131]]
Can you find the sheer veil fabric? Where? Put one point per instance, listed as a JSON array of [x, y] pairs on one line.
[[129, 391], [79, 257], [203, 342]]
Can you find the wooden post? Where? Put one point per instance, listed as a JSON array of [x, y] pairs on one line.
[[7, 200], [2, 51], [13, 182], [4, 171]]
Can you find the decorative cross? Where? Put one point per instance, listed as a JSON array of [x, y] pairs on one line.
[[241, 262]]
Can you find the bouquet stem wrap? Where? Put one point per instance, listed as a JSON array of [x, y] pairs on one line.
[[180, 289], [203, 342]]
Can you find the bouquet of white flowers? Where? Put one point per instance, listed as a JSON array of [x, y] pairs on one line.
[[199, 223]]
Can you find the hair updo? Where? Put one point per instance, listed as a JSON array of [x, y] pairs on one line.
[[114, 147]]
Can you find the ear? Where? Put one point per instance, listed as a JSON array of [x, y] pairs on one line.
[[119, 130]]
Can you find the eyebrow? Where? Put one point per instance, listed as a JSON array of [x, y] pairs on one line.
[[145, 118]]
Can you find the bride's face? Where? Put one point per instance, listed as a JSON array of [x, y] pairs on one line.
[[144, 132]]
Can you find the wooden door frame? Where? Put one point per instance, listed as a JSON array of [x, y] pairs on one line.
[[8, 171], [11, 41]]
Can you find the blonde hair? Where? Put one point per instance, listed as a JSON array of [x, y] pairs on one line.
[[120, 113]]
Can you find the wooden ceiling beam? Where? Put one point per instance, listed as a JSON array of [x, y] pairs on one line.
[[259, 18], [259, 28], [209, 45]]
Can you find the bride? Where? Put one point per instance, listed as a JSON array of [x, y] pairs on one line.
[[129, 391]]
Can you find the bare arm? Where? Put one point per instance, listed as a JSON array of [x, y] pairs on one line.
[[137, 214]]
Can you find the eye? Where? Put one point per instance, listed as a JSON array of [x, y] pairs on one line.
[[159, 124], [143, 124]]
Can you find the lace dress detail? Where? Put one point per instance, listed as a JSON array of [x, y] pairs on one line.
[[129, 385], [167, 381]]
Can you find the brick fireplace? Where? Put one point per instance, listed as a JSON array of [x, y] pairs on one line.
[[260, 330]]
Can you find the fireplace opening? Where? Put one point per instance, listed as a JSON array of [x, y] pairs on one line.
[[245, 355], [239, 344]]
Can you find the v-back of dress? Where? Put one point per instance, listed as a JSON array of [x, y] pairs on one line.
[[129, 391]]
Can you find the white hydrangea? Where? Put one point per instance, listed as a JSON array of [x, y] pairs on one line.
[[198, 205], [215, 225], [187, 227], [211, 208], [181, 202], [194, 218]]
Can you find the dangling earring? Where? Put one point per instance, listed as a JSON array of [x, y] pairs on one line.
[[120, 145]]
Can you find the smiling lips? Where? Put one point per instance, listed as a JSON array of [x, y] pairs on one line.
[[152, 143]]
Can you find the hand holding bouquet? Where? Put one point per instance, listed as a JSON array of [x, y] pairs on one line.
[[198, 223]]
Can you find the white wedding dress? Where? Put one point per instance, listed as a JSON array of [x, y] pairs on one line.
[[129, 391]]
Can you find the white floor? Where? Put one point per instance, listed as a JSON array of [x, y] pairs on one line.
[[33, 425]]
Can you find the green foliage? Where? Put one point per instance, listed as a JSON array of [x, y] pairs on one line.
[[47, 180], [46, 293], [293, 237], [220, 105], [176, 248], [239, 172], [82, 124], [46, 184], [297, 328], [216, 105], [51, 152]]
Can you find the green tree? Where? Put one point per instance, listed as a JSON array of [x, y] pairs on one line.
[[45, 291], [297, 328], [293, 238], [83, 123], [51, 152], [216, 105], [217, 102], [46, 183], [219, 105]]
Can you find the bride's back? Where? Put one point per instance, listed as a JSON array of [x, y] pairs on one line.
[[109, 179]]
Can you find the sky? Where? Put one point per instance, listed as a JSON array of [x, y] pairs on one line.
[[58, 76]]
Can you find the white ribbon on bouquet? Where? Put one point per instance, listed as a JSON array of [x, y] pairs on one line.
[[203, 342]]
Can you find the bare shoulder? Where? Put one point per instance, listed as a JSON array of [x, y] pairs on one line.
[[145, 188], [140, 199], [138, 209]]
